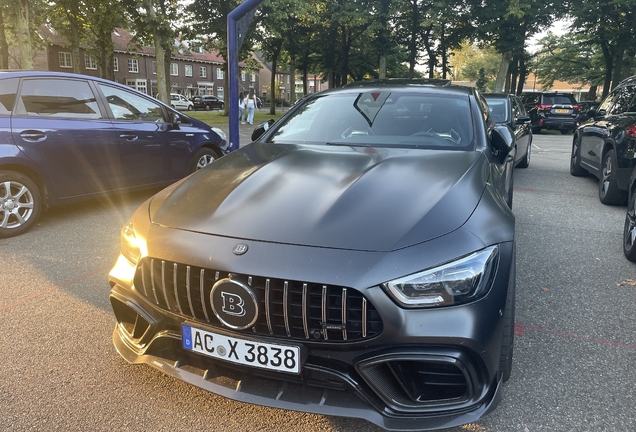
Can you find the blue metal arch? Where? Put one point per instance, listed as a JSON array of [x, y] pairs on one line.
[[238, 22]]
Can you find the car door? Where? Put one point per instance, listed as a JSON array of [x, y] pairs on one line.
[[521, 129], [594, 133], [151, 151], [60, 125]]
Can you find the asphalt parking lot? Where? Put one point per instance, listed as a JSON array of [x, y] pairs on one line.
[[575, 346]]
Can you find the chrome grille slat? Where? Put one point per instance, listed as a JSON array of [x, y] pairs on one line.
[[324, 311], [364, 317], [202, 289], [152, 280], [163, 284], [267, 313], [287, 309], [188, 287], [305, 318], [175, 284], [344, 314]]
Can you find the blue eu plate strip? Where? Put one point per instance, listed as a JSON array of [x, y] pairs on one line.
[[186, 336]]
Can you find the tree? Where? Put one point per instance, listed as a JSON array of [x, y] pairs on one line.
[[569, 58]]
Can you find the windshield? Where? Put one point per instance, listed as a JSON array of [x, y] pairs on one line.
[[381, 119], [498, 108]]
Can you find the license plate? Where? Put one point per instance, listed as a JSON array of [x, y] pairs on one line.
[[562, 111], [282, 358]]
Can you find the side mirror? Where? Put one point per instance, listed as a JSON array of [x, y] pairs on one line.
[[502, 140], [175, 120], [261, 129], [523, 119]]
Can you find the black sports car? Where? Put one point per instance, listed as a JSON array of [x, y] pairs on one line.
[[357, 260]]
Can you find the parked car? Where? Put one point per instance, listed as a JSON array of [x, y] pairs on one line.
[[606, 143], [180, 102], [357, 260], [629, 233], [207, 102], [65, 137], [588, 108], [552, 110], [507, 109]]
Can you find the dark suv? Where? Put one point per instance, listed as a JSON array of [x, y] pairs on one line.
[[552, 110], [207, 102], [605, 145]]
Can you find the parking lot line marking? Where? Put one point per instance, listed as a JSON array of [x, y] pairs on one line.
[[539, 148], [53, 288], [521, 328]]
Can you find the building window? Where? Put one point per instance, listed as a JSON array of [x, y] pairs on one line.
[[219, 93], [253, 77], [138, 84], [90, 62], [243, 75], [203, 71], [174, 69], [66, 60], [116, 64], [154, 68], [219, 74], [133, 65], [188, 70]]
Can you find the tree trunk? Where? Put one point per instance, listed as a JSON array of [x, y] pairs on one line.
[[618, 64], [272, 105], [4, 46], [305, 83], [382, 71], [608, 68], [292, 80], [75, 36], [163, 76], [522, 75], [23, 36], [503, 72], [591, 93]]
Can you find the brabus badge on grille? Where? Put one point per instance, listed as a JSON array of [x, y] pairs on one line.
[[240, 249], [234, 304]]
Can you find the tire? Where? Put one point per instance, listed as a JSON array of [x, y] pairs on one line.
[[629, 233], [204, 157], [20, 203], [525, 162], [508, 338], [189, 107], [608, 191], [222, 107], [575, 160], [565, 131], [536, 130], [207, 107]]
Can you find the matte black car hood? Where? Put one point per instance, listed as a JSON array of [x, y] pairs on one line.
[[372, 199]]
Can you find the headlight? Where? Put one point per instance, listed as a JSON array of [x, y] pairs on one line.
[[461, 281], [220, 133], [130, 245]]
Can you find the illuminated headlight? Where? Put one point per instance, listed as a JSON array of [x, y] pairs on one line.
[[130, 244], [220, 133], [464, 280]]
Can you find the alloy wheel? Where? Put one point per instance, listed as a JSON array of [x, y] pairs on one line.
[[16, 204], [204, 161], [607, 173]]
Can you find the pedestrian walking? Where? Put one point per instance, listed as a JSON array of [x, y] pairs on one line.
[[241, 105], [251, 105]]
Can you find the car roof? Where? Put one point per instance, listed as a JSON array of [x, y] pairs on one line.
[[51, 74], [497, 95], [401, 84]]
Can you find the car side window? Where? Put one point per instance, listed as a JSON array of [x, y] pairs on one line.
[[629, 101], [131, 107], [8, 90], [515, 109], [607, 102], [48, 97], [622, 101]]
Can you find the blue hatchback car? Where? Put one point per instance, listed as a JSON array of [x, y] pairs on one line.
[[66, 137]]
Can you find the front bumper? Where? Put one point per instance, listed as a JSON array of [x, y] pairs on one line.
[[361, 377]]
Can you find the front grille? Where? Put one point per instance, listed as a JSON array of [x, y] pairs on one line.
[[287, 309]]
